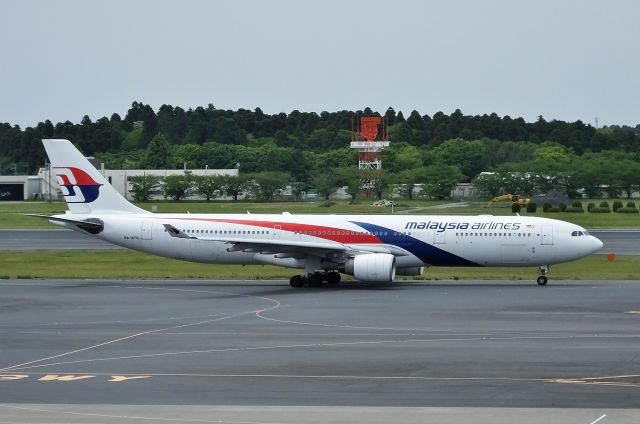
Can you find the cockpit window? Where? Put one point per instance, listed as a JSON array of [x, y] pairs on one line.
[[580, 233]]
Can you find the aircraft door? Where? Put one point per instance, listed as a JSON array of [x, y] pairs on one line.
[[276, 231], [439, 237], [146, 229], [546, 234]]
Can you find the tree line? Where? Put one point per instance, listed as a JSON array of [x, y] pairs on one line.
[[311, 148]]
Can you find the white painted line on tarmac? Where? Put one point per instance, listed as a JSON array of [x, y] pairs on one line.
[[276, 304], [599, 419], [54, 411]]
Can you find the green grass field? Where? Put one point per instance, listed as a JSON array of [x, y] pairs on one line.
[[136, 265], [12, 214]]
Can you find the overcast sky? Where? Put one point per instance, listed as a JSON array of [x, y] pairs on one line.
[[564, 60]]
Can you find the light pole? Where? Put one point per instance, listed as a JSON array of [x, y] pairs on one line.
[[47, 167]]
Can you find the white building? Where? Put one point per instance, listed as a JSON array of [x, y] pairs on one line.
[[20, 187], [120, 179]]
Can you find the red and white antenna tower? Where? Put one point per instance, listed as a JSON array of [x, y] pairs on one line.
[[370, 141]]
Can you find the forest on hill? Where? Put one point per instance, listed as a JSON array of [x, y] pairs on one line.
[[304, 146]]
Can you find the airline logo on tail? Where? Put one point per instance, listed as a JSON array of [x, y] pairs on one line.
[[77, 186]]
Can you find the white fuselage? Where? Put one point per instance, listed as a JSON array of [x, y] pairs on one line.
[[415, 240]]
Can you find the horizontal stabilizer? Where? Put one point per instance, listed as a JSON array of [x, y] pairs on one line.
[[91, 225]]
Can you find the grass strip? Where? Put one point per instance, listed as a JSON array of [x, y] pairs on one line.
[[136, 265], [12, 214]]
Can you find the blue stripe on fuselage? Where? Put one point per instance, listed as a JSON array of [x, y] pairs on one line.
[[427, 253]]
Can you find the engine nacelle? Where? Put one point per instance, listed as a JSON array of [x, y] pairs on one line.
[[413, 270], [376, 267]]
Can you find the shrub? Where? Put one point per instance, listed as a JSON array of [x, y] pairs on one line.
[[590, 206], [600, 209], [515, 207], [577, 204], [554, 209], [604, 204], [627, 210], [631, 204], [327, 204], [617, 204], [574, 209], [532, 207], [546, 206], [562, 207]]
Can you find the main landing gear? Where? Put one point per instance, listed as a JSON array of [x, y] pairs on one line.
[[316, 279], [542, 278]]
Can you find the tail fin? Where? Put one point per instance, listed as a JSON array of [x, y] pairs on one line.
[[84, 188]]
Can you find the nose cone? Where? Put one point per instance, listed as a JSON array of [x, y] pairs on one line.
[[597, 244]]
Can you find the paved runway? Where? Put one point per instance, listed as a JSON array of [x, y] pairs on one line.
[[222, 351], [621, 242], [54, 239]]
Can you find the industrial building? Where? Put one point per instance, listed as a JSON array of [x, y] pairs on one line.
[[44, 185]]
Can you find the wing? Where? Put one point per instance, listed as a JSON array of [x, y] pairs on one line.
[[291, 248]]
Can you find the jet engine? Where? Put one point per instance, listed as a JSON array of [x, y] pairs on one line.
[[376, 267], [414, 270]]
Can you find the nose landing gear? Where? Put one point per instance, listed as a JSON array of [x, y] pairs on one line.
[[542, 278]]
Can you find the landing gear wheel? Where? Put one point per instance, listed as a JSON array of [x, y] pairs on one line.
[[297, 281], [542, 278], [314, 280], [333, 278]]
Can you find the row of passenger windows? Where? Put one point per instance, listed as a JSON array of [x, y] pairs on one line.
[[354, 233], [494, 234], [307, 233], [224, 232], [341, 233]]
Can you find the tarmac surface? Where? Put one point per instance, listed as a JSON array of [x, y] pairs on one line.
[[624, 242], [261, 352], [53, 239], [621, 242]]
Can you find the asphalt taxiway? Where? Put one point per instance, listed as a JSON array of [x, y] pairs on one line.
[[231, 351], [53, 239]]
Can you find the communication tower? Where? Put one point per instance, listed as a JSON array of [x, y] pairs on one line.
[[370, 139]]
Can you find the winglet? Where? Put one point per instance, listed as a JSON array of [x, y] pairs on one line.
[[174, 232]]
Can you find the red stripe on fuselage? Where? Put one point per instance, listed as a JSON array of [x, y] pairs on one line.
[[339, 235]]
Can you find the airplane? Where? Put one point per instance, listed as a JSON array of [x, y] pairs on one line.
[[371, 248]]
